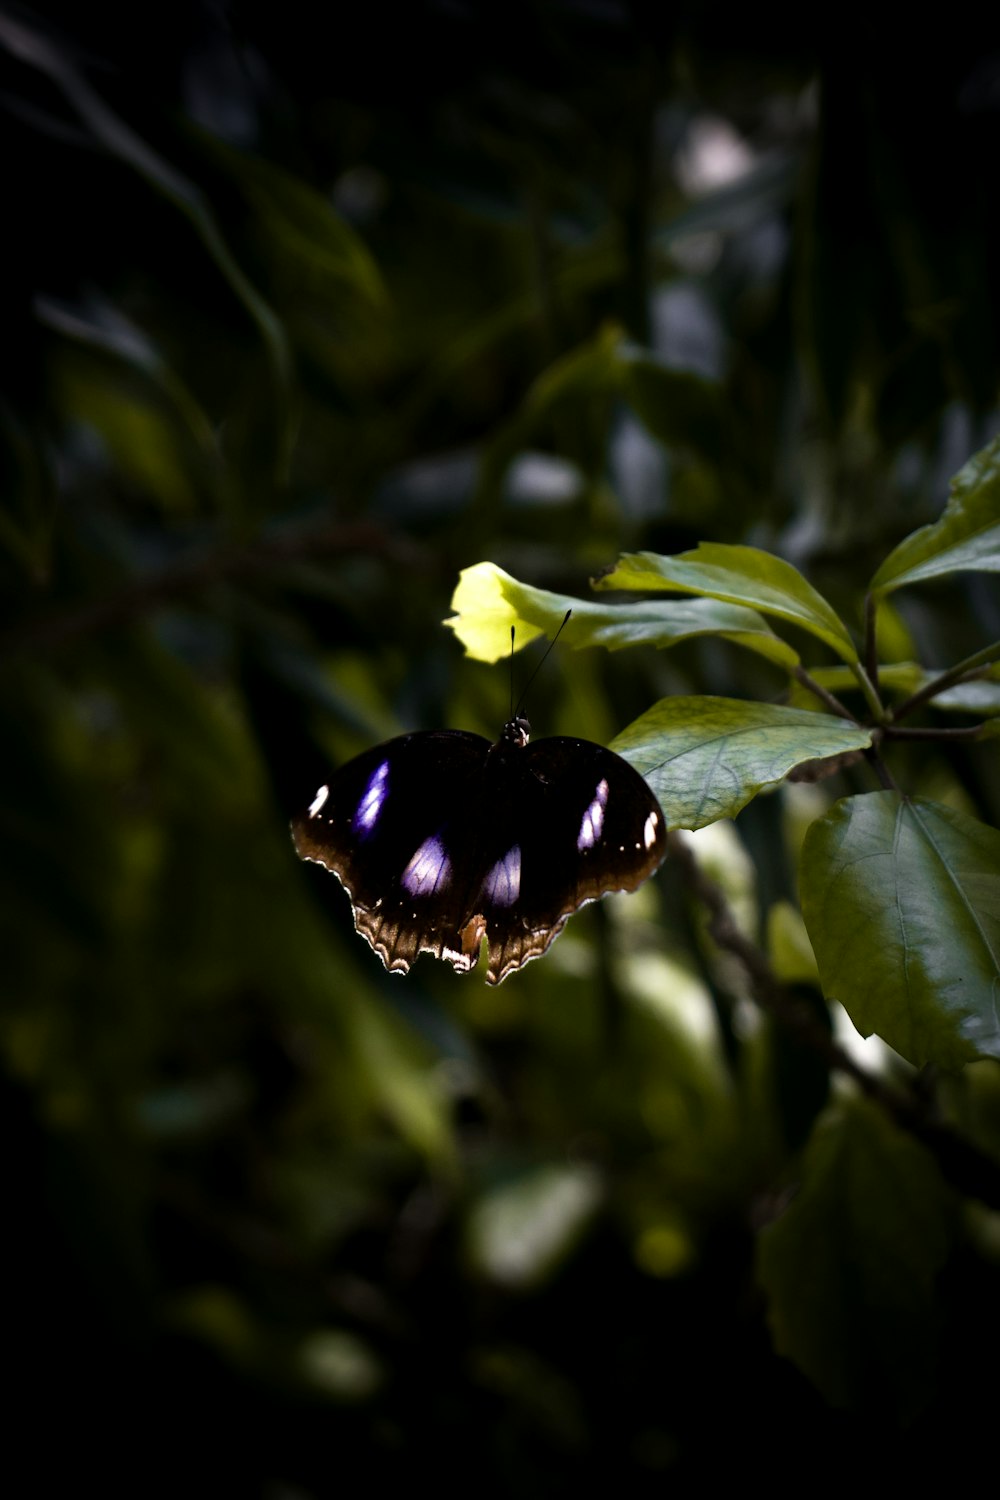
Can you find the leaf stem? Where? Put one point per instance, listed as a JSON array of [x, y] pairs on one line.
[[872, 698], [961, 670], [871, 648], [879, 766], [930, 732], [823, 694]]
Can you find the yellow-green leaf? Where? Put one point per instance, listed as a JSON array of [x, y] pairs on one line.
[[738, 575]]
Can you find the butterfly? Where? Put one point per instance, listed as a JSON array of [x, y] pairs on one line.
[[442, 839]]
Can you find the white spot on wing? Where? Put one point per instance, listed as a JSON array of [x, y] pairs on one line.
[[317, 802], [592, 822], [502, 885], [649, 831], [428, 870], [375, 793]]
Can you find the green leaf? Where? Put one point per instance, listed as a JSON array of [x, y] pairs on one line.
[[967, 537], [738, 575], [139, 429], [705, 758], [979, 698], [679, 408], [849, 1267], [489, 601], [390, 1059], [590, 369], [788, 946], [301, 223], [902, 903]]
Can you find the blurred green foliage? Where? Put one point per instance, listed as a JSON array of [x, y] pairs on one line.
[[297, 326]]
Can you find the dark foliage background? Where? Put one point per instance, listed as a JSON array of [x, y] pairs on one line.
[[304, 311]]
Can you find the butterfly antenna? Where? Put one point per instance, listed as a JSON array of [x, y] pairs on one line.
[[539, 667]]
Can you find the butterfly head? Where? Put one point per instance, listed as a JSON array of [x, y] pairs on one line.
[[516, 732]]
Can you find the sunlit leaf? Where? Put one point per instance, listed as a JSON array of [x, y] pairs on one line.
[[391, 1060], [788, 945], [902, 902], [487, 602], [738, 575], [705, 758], [520, 1230], [967, 537], [849, 1267], [340, 1364]]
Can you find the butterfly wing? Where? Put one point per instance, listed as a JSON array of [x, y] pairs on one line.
[[387, 825], [574, 821]]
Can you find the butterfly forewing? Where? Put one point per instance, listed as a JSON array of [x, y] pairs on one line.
[[442, 839]]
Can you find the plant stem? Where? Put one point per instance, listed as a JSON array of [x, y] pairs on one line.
[[823, 694], [929, 732], [871, 647], [880, 768], [953, 675], [871, 695]]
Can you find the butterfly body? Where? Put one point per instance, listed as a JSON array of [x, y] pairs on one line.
[[441, 839]]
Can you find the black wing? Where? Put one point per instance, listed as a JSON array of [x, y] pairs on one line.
[[583, 822], [394, 825]]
